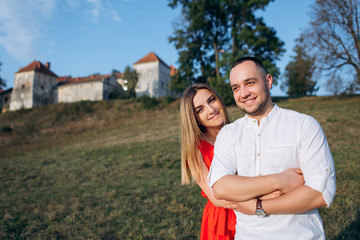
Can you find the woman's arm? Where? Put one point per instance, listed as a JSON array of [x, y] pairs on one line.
[[206, 189]]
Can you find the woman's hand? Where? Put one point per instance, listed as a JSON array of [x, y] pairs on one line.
[[291, 179], [272, 195]]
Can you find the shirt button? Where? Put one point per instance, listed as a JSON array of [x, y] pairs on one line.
[[259, 135], [258, 154]]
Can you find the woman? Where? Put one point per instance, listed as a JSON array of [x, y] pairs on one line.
[[203, 114]]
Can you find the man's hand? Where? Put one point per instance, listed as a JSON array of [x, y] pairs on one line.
[[247, 207], [291, 179]]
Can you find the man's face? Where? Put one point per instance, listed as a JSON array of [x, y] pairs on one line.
[[251, 89]]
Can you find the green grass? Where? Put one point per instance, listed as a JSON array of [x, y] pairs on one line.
[[111, 170]]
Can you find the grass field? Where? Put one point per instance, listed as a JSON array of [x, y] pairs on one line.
[[111, 170]]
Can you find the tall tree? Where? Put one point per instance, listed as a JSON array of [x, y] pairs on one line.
[[2, 81], [335, 35], [299, 72], [199, 36], [251, 36], [131, 76], [213, 33]]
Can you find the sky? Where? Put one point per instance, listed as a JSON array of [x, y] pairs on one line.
[[82, 37]]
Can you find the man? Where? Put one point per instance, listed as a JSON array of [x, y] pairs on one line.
[[269, 140]]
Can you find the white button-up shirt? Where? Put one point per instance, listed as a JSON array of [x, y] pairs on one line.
[[284, 139]]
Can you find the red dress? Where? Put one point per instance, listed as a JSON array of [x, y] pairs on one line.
[[217, 223]]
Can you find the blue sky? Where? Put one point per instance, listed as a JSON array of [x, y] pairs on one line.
[[82, 37]]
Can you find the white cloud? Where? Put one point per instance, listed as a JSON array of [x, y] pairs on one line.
[[101, 7], [21, 23]]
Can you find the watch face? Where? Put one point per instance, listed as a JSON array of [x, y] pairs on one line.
[[260, 213]]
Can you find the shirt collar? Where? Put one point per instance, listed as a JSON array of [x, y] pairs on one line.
[[265, 119]]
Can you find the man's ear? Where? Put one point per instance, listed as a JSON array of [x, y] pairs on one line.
[[269, 81]]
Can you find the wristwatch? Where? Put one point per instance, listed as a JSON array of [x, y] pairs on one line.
[[259, 210]]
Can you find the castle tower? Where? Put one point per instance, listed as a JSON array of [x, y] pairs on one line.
[[154, 76], [34, 86]]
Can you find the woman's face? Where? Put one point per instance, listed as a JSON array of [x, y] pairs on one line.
[[208, 110]]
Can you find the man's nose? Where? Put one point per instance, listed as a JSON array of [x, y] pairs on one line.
[[244, 92]]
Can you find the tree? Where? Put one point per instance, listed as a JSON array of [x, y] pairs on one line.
[[115, 71], [131, 78], [335, 84], [335, 36], [211, 34], [299, 72], [2, 81]]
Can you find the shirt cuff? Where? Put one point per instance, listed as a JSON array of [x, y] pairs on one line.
[[325, 184]]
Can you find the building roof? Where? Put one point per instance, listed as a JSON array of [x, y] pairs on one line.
[[77, 80], [63, 79], [119, 75], [151, 57], [173, 70], [37, 66]]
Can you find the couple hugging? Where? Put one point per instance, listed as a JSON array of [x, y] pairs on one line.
[[266, 174]]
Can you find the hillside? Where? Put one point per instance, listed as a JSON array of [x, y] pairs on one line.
[[111, 170]]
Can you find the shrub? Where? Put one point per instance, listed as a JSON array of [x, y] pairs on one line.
[[148, 103], [6, 129]]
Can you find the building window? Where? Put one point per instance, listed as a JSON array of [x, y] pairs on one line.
[[42, 87], [6, 99], [23, 86], [162, 85]]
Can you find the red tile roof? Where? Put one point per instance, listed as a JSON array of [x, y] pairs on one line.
[[119, 75], [173, 70], [92, 78], [151, 57], [63, 79], [37, 66]]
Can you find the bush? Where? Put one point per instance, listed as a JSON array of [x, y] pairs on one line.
[[148, 103], [6, 129]]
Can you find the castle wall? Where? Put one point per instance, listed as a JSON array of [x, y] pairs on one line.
[[148, 79], [22, 95], [44, 89], [92, 91], [164, 80]]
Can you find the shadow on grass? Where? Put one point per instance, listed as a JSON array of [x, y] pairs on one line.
[[352, 231]]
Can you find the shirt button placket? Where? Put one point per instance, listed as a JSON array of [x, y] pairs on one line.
[[258, 151]]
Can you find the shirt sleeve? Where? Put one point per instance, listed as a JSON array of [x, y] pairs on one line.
[[316, 160], [224, 162]]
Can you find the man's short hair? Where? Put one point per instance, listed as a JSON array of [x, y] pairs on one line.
[[257, 62]]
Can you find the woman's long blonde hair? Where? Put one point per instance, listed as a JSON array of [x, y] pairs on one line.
[[192, 132]]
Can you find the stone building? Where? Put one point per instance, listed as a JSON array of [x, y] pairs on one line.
[[154, 76], [34, 86], [92, 88], [5, 96]]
